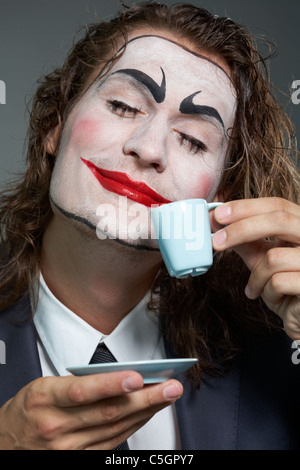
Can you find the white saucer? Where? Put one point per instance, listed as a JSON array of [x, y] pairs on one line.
[[151, 371]]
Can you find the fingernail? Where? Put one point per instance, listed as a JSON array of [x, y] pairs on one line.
[[171, 392], [131, 383], [223, 212], [219, 238], [249, 293]]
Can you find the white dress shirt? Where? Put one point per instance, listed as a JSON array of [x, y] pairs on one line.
[[65, 340]]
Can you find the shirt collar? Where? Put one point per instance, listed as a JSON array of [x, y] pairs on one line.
[[70, 341]]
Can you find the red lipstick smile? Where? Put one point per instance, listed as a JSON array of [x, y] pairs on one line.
[[124, 185]]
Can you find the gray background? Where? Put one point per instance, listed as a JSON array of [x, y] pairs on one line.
[[35, 36]]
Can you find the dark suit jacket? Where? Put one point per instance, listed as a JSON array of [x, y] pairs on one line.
[[256, 405]]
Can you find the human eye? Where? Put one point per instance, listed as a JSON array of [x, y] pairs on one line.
[[192, 144], [122, 109]]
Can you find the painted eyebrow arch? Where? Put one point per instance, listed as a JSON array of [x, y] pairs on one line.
[[196, 54], [157, 91], [188, 107], [200, 56]]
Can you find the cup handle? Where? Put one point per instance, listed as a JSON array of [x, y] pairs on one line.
[[213, 205]]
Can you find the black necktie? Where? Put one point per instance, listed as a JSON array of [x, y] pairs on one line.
[[100, 356]]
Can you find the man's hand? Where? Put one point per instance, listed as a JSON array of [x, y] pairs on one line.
[[266, 234], [77, 413]]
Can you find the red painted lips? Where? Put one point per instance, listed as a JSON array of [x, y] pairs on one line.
[[124, 185]]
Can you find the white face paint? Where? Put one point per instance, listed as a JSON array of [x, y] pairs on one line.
[[160, 116]]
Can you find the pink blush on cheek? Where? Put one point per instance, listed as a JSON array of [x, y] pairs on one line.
[[85, 131], [206, 186]]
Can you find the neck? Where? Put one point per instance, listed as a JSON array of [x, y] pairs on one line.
[[99, 280]]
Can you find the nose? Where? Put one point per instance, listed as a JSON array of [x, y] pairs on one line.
[[148, 144]]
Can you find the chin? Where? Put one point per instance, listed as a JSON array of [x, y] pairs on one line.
[[140, 245]]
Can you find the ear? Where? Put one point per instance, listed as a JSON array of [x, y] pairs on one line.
[[51, 144]]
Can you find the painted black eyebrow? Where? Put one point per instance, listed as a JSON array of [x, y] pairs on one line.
[[200, 56], [196, 54], [157, 91], [188, 107]]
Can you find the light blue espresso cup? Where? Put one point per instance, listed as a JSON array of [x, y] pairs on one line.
[[184, 235]]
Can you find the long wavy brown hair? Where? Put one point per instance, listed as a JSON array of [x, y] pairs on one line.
[[209, 316]]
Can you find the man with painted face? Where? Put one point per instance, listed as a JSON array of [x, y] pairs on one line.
[[155, 106]]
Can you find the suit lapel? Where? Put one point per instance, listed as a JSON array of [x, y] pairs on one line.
[[22, 360], [208, 417]]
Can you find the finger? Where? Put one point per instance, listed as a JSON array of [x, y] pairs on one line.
[[74, 391], [241, 210], [214, 225], [112, 420], [289, 311], [111, 435], [233, 211], [275, 260], [128, 427], [281, 285], [113, 443], [279, 224], [114, 409]]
